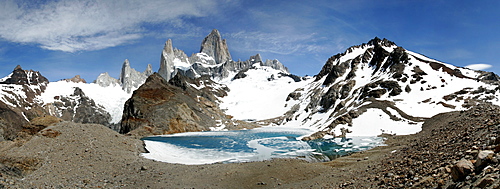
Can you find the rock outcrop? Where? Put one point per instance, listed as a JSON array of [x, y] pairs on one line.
[[10, 122], [76, 79], [181, 104], [214, 46], [275, 64]]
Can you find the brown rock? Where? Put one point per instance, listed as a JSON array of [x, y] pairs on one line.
[[483, 158], [76, 79], [460, 170], [173, 107], [485, 182]]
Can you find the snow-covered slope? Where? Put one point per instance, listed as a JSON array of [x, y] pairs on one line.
[[379, 88], [260, 95], [111, 98]]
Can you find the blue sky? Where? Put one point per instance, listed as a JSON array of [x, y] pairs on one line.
[[65, 38]]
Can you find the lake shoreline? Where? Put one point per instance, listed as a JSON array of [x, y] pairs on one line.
[[87, 155]]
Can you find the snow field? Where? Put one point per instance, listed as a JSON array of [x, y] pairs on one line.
[[255, 97]]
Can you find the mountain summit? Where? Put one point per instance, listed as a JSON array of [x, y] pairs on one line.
[[213, 60], [380, 82], [214, 46]]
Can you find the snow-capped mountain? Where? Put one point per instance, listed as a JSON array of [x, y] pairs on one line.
[[380, 87], [19, 103], [372, 88], [204, 88], [30, 95], [103, 100]]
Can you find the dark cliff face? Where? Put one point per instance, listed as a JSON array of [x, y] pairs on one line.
[[179, 105], [10, 122]]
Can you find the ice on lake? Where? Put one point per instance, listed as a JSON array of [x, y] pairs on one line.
[[250, 145]]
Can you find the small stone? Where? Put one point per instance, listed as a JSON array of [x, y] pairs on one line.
[[143, 168], [261, 183]]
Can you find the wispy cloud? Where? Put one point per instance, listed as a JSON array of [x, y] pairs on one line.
[[277, 43], [83, 25], [479, 66]]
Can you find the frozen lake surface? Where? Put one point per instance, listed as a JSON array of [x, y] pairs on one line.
[[250, 145]]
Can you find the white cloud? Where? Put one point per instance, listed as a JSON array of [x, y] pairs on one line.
[[278, 43], [478, 66], [70, 26]]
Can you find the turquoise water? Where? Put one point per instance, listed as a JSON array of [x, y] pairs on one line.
[[251, 145]]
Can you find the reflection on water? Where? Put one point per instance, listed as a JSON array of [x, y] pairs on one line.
[[251, 145]]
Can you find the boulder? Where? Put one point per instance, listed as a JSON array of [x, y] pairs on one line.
[[483, 159], [461, 169]]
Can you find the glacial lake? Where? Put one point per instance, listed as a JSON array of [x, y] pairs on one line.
[[251, 145]]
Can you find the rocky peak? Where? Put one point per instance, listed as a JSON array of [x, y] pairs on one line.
[[76, 79], [256, 58], [126, 71], [383, 42], [25, 77], [214, 60], [105, 80], [167, 61], [275, 64], [214, 46], [168, 47], [149, 70], [375, 55], [130, 78]]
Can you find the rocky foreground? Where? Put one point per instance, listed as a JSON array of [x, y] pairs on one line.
[[454, 150]]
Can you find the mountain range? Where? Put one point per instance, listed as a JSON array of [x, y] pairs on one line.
[[373, 88]]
